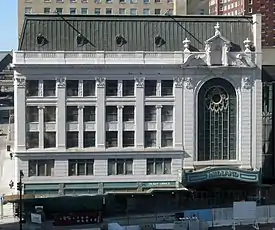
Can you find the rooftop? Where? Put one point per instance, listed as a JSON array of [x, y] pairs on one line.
[[128, 33]]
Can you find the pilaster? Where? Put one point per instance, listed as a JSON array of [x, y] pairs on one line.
[[120, 88], [20, 112], [61, 112], [120, 126], [40, 88], [178, 113], [158, 136], [41, 125], [139, 134], [158, 92], [80, 127], [246, 125], [80, 88], [100, 113], [188, 123]]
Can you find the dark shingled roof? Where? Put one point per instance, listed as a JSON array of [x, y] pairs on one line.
[[139, 32]]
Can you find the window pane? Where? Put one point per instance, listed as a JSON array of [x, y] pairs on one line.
[[90, 167], [111, 167], [128, 88], [150, 167], [88, 88], [111, 87], [129, 167], [49, 88], [32, 168], [72, 88], [41, 169], [72, 168], [120, 167], [159, 167], [150, 87], [167, 166], [81, 169]]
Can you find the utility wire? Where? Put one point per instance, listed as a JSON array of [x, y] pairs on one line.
[[181, 26], [76, 30]]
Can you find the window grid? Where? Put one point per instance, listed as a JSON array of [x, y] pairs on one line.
[[158, 166], [120, 166], [81, 167], [41, 168]]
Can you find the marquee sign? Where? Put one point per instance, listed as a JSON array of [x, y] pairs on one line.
[[221, 173]]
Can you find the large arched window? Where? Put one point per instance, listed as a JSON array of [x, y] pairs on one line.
[[217, 117]]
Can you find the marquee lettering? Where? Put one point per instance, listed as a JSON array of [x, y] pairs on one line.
[[224, 173]]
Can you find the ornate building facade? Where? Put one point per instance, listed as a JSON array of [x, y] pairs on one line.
[[138, 113]]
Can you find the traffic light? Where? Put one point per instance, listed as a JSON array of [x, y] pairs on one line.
[[19, 186]]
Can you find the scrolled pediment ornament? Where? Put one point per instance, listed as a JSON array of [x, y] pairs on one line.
[[61, 82], [100, 82], [246, 83], [178, 82], [20, 82]]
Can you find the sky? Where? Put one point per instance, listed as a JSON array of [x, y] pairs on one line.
[[8, 25]]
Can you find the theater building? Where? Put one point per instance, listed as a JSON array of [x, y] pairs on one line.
[[137, 104]]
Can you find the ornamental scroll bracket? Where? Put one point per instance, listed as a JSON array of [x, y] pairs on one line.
[[20, 82]]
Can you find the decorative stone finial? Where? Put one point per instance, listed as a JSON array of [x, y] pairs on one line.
[[186, 44], [217, 29], [247, 44]]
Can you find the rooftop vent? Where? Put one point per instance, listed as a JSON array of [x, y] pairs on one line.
[[159, 41], [41, 40], [120, 40], [81, 40]]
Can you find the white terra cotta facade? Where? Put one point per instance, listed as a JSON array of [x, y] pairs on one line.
[[189, 72]]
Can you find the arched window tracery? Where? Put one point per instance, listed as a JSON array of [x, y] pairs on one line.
[[217, 121]]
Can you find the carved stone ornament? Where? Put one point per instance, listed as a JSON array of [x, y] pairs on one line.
[[188, 83], [119, 90], [178, 82], [61, 82], [246, 83], [21, 82], [140, 82], [40, 89], [100, 82]]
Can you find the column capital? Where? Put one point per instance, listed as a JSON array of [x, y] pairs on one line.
[[120, 106], [139, 82], [100, 82], [80, 106], [178, 81], [158, 106], [188, 83], [61, 82], [20, 82], [41, 107]]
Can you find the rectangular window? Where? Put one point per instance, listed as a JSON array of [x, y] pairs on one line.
[[122, 11], [128, 138], [120, 167], [109, 1], [158, 166], [32, 114], [72, 10], [97, 10], [111, 88], [50, 114], [157, 1], [47, 10], [32, 88], [129, 113], [59, 10], [167, 113], [89, 139], [111, 113], [72, 88], [150, 88], [146, 1], [28, 10], [88, 88], [81, 167], [166, 138], [111, 139], [146, 11], [49, 140], [84, 10], [166, 88], [32, 140], [72, 114], [133, 1], [150, 113], [89, 113], [128, 87], [109, 11], [157, 11], [150, 139], [72, 139], [84, 1], [49, 88], [133, 11], [122, 1], [41, 168]]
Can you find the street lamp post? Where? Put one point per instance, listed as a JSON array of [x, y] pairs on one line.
[[20, 188]]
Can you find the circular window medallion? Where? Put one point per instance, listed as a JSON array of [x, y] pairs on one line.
[[216, 98]]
